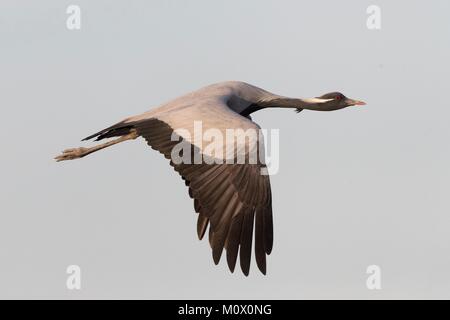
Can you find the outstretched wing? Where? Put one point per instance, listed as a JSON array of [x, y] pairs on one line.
[[229, 197]]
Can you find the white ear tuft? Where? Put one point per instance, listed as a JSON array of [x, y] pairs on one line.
[[317, 100]]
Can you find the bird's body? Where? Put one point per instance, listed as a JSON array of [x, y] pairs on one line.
[[231, 197], [235, 94]]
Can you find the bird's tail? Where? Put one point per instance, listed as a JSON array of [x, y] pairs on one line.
[[125, 131], [119, 129]]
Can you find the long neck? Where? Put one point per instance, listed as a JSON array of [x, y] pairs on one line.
[[248, 99], [295, 103]]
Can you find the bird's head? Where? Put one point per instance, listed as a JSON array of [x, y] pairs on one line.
[[335, 101]]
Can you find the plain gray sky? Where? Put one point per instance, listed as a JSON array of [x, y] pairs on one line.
[[356, 187]]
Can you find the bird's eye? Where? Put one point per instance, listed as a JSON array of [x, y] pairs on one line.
[[339, 97]]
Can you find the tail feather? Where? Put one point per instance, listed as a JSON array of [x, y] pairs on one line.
[[119, 129]]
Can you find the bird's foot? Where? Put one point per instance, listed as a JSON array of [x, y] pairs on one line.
[[70, 154]]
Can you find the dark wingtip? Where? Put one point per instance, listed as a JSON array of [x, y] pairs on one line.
[[217, 254], [245, 267], [262, 269], [298, 110], [231, 261]]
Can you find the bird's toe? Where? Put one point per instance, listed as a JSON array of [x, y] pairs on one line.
[[70, 154]]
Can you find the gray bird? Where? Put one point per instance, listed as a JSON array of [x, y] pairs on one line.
[[230, 198]]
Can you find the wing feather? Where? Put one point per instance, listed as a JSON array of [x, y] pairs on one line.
[[231, 199]]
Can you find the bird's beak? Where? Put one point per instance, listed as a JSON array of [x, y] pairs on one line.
[[352, 102]]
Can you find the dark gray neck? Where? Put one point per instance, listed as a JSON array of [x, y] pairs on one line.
[[282, 102]]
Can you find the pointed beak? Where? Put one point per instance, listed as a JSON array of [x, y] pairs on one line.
[[352, 102]]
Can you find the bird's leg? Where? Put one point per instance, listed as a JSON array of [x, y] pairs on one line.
[[77, 153]]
